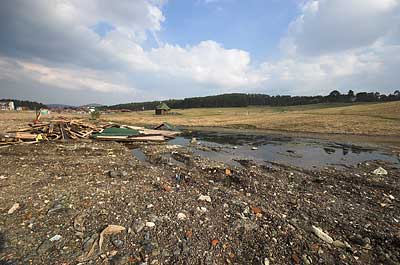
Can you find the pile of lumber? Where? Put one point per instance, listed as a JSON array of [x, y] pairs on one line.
[[60, 129], [141, 135], [63, 129]]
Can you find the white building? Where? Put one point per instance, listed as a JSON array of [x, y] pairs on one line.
[[7, 105]]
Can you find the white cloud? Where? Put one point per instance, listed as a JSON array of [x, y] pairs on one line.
[[208, 62], [331, 26], [339, 44], [331, 44]]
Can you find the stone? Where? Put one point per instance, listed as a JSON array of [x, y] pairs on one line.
[[181, 216], [339, 244], [118, 243], [113, 173], [150, 224], [205, 198], [45, 247], [117, 173], [295, 259], [119, 260]]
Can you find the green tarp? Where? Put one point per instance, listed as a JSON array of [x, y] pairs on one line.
[[117, 132]]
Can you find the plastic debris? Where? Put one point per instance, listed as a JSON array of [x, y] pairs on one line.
[[55, 238], [380, 171], [109, 230], [13, 208], [205, 198], [319, 233]]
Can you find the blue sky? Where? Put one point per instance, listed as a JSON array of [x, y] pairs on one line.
[[109, 52], [254, 25]]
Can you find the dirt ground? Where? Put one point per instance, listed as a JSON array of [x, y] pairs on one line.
[[179, 208]]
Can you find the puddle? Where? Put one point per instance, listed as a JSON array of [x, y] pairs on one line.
[[296, 151]]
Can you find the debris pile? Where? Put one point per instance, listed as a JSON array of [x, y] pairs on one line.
[[62, 129]]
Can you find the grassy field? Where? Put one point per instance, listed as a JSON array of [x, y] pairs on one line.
[[359, 119]]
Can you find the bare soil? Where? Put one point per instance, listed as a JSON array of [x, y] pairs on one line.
[[68, 192]]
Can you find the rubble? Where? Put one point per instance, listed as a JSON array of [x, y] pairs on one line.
[[200, 213]]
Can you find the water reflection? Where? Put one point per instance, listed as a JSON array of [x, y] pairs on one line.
[[302, 152]]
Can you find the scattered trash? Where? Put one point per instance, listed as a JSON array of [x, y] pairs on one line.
[[203, 212], [109, 230], [181, 216], [256, 210], [13, 208], [55, 238], [150, 224], [189, 234], [166, 126], [254, 148], [214, 242], [380, 171], [319, 233], [205, 198]]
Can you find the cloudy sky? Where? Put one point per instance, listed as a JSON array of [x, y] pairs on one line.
[[77, 52]]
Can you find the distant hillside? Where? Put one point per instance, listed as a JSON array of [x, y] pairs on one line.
[[244, 100], [93, 105], [59, 106], [26, 103]]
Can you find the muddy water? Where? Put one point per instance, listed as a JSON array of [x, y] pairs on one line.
[[296, 151]]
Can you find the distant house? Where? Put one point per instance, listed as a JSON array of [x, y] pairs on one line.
[[162, 109], [7, 105]]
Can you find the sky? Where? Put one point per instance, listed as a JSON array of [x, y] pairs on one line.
[[99, 51]]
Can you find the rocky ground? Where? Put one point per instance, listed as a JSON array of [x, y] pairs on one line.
[[94, 203]]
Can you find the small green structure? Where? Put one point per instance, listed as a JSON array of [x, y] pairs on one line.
[[162, 109], [117, 132]]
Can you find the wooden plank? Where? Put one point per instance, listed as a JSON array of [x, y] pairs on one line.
[[169, 134], [158, 138]]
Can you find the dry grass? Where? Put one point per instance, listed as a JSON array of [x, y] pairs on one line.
[[11, 120], [359, 119]]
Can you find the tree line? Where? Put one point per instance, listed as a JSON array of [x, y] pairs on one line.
[[26, 104], [245, 100]]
